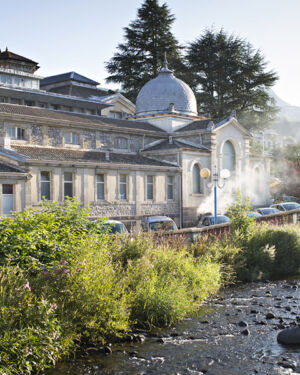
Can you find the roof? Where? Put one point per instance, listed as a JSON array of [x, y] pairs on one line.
[[62, 154], [73, 76], [199, 125], [164, 93], [7, 55], [176, 144], [75, 117], [9, 168]]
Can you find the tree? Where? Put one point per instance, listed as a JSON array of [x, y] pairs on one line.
[[140, 57], [227, 73]]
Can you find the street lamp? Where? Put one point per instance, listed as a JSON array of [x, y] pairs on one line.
[[216, 181]]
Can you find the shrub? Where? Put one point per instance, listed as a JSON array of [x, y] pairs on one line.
[[169, 284], [31, 338], [40, 238]]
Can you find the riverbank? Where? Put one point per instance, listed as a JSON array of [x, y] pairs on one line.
[[215, 342], [67, 285]]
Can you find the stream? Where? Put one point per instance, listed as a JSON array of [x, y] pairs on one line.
[[234, 334]]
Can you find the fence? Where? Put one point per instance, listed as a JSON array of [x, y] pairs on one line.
[[219, 230]]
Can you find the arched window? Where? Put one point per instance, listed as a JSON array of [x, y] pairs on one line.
[[196, 180], [228, 157]]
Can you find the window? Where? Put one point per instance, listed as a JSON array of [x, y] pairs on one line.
[[114, 114], [196, 179], [123, 187], [170, 187], [7, 199], [29, 103], [15, 101], [68, 184], [100, 187], [121, 143], [45, 185], [228, 161], [16, 133], [150, 188], [72, 138]]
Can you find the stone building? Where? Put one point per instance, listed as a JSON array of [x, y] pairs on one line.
[[63, 136]]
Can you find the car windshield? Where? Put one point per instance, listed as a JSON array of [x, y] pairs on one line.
[[114, 228], [162, 225], [268, 211], [291, 206], [220, 220], [253, 214]]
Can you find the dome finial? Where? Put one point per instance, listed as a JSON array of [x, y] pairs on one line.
[[165, 68], [165, 61]]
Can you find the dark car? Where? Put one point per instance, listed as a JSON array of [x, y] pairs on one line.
[[253, 214], [210, 220], [267, 210], [286, 206]]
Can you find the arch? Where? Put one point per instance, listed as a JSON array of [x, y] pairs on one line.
[[197, 180], [228, 156]]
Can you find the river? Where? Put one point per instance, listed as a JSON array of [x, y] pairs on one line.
[[235, 334]]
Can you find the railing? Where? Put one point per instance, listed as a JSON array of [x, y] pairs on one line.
[[220, 230]]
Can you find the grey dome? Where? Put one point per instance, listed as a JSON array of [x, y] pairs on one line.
[[161, 93]]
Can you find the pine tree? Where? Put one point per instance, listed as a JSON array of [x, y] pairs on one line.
[[226, 73], [140, 57]]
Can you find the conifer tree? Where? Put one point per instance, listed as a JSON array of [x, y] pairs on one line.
[[226, 73], [140, 57]]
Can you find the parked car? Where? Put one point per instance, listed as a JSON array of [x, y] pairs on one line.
[[208, 220], [253, 214], [285, 198], [158, 223], [286, 206], [267, 210], [113, 227]]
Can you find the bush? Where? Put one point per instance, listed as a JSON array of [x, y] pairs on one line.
[[169, 284], [40, 238], [31, 337]]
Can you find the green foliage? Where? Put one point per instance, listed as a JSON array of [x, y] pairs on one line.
[[31, 338], [227, 73], [141, 56], [167, 284], [41, 238], [241, 224]]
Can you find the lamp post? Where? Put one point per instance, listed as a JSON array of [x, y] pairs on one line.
[[218, 180]]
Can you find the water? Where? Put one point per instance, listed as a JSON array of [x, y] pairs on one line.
[[211, 343]]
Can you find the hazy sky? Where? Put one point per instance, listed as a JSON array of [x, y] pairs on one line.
[[80, 35]]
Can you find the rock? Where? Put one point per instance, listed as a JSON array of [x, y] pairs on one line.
[[253, 312], [133, 353], [270, 315], [107, 350], [160, 341], [242, 324], [287, 308], [245, 332], [289, 336], [287, 364]]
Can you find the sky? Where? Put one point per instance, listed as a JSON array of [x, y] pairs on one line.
[[81, 35]]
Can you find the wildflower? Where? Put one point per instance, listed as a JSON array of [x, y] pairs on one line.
[[55, 335], [84, 263], [66, 270], [54, 306], [27, 286]]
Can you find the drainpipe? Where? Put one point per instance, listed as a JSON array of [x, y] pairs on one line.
[[180, 199]]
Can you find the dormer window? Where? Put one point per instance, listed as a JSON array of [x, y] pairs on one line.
[[16, 133], [71, 138], [121, 143]]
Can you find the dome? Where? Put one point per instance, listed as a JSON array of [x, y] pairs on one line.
[[164, 94]]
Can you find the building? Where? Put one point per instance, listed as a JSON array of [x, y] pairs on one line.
[[67, 137]]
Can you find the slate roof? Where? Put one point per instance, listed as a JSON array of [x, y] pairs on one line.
[[199, 125], [76, 117], [62, 154], [7, 55], [165, 145], [9, 168], [73, 76]]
